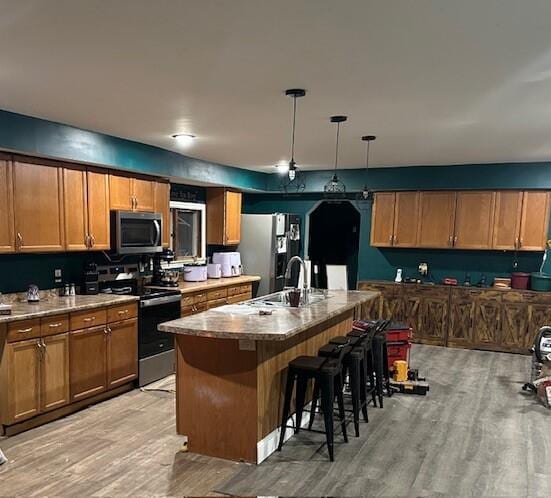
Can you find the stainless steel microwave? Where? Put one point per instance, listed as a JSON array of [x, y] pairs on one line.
[[136, 233]]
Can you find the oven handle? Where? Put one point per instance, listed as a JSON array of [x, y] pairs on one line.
[[158, 230], [157, 301]]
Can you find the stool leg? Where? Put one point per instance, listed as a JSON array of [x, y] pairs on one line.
[[385, 369], [372, 385], [286, 406], [302, 384], [339, 387], [327, 398], [379, 372], [363, 387], [355, 389], [314, 405]]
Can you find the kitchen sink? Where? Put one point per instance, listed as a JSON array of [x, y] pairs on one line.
[[280, 299]]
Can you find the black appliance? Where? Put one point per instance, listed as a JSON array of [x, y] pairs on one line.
[[156, 358], [136, 233], [90, 283], [158, 273]]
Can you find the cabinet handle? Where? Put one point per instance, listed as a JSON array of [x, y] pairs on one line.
[[395, 239], [55, 325], [390, 239], [516, 243], [520, 242], [92, 241], [25, 331], [455, 240], [122, 312], [19, 240], [89, 319]]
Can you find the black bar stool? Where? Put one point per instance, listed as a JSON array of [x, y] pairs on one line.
[[368, 369], [380, 359], [327, 372]]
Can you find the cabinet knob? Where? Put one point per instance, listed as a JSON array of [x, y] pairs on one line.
[[19, 240]]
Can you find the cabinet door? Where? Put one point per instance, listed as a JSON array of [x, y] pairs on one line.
[[514, 322], [55, 390], [162, 205], [436, 219], [410, 308], [534, 223], [38, 206], [460, 332], [433, 319], [406, 216], [474, 219], [88, 362], [507, 220], [76, 209], [144, 194], [487, 319], [382, 219], [122, 353], [98, 210], [23, 380], [232, 218], [120, 193], [7, 236]]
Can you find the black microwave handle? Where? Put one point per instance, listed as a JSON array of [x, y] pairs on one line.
[[158, 230]]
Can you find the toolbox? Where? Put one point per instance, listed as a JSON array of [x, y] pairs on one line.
[[397, 351]]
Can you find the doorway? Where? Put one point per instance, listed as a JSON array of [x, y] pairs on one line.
[[334, 239]]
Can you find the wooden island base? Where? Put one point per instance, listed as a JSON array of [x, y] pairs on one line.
[[229, 393]]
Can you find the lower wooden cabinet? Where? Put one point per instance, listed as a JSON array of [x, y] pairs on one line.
[[122, 352], [433, 316], [461, 316], [55, 391], [88, 354], [200, 301]]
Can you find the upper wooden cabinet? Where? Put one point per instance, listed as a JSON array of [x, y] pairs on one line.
[[7, 236], [507, 217], [474, 217], [162, 205], [382, 224], [223, 217], [38, 207], [436, 219], [97, 184], [131, 194], [534, 224]]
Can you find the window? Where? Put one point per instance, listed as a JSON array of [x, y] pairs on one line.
[[188, 231]]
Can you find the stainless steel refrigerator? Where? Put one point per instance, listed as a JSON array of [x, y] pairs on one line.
[[268, 241]]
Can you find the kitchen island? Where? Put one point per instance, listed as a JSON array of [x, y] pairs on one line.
[[231, 369]]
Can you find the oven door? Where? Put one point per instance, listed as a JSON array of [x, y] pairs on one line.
[[137, 233], [150, 340]]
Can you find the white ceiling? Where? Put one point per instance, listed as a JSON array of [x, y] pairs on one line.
[[438, 81]]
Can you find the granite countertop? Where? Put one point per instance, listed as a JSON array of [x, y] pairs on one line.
[[244, 322], [55, 305], [211, 283]]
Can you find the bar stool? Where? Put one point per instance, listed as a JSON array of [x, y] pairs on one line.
[[368, 369], [353, 363], [380, 360], [327, 372]]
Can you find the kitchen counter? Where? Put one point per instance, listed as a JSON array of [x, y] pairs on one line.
[[231, 367], [211, 283], [244, 322], [54, 305]]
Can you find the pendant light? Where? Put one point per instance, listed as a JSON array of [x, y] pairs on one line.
[[335, 187], [366, 194], [294, 179]]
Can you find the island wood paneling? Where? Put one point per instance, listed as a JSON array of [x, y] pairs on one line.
[[273, 359]]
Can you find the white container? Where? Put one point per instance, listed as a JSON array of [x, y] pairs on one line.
[[195, 273], [230, 263], [214, 270]]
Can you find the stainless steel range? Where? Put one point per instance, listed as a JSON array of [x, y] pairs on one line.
[[156, 358]]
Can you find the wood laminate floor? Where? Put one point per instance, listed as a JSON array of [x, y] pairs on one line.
[[475, 434]]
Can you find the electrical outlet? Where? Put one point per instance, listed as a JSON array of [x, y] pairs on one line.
[[58, 276], [423, 269]]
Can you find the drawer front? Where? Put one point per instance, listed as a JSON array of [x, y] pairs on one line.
[[24, 329], [187, 300], [234, 290], [217, 302], [122, 312], [52, 325], [201, 307], [187, 311], [239, 298], [216, 294], [247, 288], [88, 318], [200, 297]]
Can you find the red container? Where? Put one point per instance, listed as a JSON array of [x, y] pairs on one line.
[[399, 334], [397, 351], [520, 280]]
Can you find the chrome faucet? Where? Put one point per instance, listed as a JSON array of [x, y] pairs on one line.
[[305, 279]]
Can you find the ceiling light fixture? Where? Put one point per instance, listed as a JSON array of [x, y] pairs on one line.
[[294, 179], [366, 194], [335, 187], [183, 139]]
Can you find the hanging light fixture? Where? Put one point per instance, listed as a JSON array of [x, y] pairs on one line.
[[366, 194], [335, 187], [294, 178]]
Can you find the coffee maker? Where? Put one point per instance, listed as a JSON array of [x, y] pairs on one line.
[[164, 278], [90, 283]]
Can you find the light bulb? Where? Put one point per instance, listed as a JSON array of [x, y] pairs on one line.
[[292, 174]]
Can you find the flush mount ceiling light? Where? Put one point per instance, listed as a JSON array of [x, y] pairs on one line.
[[183, 139], [294, 179], [366, 194], [335, 187]]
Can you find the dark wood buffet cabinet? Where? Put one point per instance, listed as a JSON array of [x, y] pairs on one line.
[[467, 317]]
